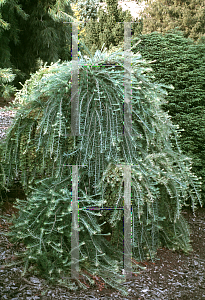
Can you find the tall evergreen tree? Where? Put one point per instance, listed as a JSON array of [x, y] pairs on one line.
[[83, 11], [185, 15], [10, 11], [107, 30], [87, 9], [161, 177], [34, 31], [44, 37]]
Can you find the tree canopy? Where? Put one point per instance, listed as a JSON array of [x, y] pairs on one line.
[[185, 15], [108, 30], [32, 32]]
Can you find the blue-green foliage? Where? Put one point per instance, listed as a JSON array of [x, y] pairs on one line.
[[181, 62], [37, 145]]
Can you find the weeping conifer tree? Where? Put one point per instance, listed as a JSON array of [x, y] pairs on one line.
[[39, 146]]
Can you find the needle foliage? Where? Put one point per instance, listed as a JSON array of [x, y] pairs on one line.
[[109, 28], [32, 32], [181, 62], [38, 147], [185, 15]]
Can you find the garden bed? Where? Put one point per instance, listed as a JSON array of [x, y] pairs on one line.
[[174, 275]]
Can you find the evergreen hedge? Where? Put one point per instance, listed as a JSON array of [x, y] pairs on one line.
[[181, 62], [37, 145]]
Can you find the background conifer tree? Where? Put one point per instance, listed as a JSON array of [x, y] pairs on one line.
[[87, 9], [105, 31], [10, 11], [185, 15], [33, 32], [181, 62], [84, 10]]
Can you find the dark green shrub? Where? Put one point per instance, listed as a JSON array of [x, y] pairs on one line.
[[181, 62]]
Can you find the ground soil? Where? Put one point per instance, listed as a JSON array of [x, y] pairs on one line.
[[174, 275]]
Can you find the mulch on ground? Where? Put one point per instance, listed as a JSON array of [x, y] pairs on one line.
[[174, 275]]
